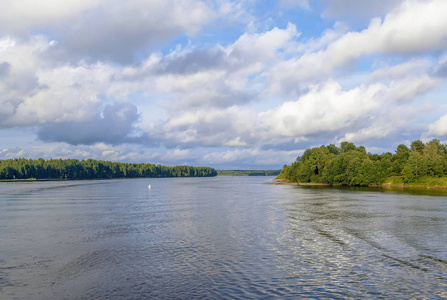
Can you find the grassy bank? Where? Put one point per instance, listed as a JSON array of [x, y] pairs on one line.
[[391, 183], [18, 180], [35, 179], [424, 182]]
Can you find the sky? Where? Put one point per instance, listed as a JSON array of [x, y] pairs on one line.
[[228, 84]]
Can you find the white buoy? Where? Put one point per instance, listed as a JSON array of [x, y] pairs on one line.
[[149, 187]]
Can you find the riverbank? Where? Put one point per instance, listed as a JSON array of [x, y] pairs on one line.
[[427, 183], [18, 180], [409, 186]]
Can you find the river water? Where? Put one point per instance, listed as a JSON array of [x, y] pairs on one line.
[[218, 238]]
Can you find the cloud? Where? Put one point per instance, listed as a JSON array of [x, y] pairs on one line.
[[4, 69], [22, 16], [249, 49], [211, 127], [221, 76], [259, 47], [357, 11], [375, 131], [441, 69], [206, 87], [47, 152], [97, 151], [411, 68], [406, 90], [326, 108], [48, 95], [114, 127], [102, 30], [195, 61], [174, 81], [407, 30], [378, 128], [323, 108], [34, 92], [18, 74], [438, 128], [247, 158], [290, 4], [236, 158]]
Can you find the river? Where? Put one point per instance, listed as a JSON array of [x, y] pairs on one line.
[[218, 238]]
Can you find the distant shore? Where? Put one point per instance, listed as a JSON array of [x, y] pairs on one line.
[[248, 172], [288, 182]]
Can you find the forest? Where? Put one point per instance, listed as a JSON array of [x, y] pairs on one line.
[[21, 168], [423, 164]]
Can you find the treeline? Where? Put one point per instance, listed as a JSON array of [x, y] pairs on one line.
[[248, 172], [352, 165], [21, 168]]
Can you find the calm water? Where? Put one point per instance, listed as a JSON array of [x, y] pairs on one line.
[[224, 237]]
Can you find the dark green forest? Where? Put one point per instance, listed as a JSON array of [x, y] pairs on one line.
[[248, 172], [423, 164], [21, 168]]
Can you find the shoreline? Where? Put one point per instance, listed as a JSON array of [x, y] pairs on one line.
[[387, 185], [82, 179]]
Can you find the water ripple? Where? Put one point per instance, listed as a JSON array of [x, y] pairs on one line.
[[218, 238]]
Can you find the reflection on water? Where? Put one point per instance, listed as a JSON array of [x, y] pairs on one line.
[[224, 237], [369, 243]]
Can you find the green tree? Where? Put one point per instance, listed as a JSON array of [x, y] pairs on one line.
[[418, 146]]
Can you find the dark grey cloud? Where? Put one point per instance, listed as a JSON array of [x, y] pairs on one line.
[[113, 127], [209, 58], [8, 108], [193, 62], [213, 92], [217, 95], [124, 32], [26, 83], [441, 70], [104, 41], [4, 69]]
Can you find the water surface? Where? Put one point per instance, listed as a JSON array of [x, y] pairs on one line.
[[223, 237]]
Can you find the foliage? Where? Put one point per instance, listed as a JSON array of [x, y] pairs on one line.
[[353, 166], [21, 168]]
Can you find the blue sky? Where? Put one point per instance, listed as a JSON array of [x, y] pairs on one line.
[[229, 84]]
